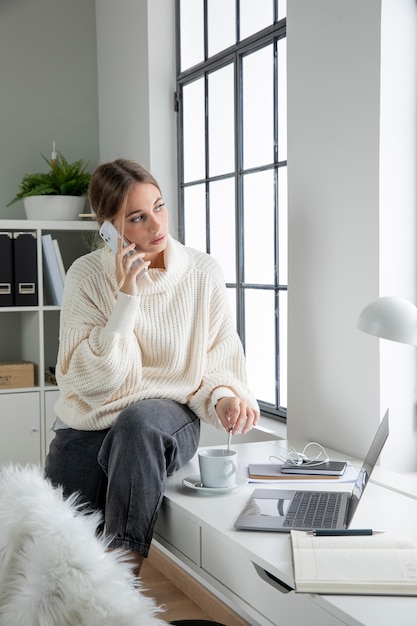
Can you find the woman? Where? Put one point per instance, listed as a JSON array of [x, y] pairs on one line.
[[143, 357]]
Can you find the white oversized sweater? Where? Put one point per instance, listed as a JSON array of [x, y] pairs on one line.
[[174, 340]]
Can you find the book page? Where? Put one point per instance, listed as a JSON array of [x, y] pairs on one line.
[[347, 565], [369, 564]]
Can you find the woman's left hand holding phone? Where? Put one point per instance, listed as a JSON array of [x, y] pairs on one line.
[[130, 268]]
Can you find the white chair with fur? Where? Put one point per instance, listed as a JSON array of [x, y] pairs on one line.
[[54, 568]]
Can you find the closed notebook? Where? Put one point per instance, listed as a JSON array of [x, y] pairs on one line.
[[381, 564], [273, 471]]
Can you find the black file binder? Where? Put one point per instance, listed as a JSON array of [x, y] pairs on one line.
[[25, 268], [6, 269]]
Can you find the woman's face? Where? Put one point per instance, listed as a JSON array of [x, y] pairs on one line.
[[146, 220]]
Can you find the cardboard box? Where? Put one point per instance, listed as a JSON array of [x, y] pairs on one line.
[[18, 374]]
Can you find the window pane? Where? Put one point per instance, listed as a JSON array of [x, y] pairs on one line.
[[283, 334], [191, 32], [221, 123], [258, 108], [282, 99], [194, 131], [221, 20], [283, 226], [255, 16], [282, 9], [195, 217], [259, 227], [231, 298], [222, 226], [260, 343]]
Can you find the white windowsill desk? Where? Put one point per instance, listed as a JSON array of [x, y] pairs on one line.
[[245, 568]]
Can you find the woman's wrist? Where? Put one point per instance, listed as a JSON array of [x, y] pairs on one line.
[[221, 392], [123, 317]]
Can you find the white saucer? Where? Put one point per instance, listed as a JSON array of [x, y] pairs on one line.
[[194, 482]]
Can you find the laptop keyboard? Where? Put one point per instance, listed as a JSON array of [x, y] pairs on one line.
[[309, 509]]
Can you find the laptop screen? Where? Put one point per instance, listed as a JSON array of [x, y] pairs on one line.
[[367, 468]]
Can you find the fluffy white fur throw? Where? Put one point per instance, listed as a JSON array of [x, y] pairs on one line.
[[54, 569]]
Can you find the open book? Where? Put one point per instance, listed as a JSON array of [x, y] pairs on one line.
[[376, 564]]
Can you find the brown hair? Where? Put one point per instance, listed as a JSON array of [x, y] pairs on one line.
[[111, 184]]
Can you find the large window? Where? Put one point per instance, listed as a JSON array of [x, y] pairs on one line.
[[231, 98]]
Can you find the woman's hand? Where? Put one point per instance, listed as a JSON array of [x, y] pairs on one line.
[[129, 267], [236, 415]]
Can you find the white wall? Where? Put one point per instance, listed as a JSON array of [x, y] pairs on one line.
[[48, 88], [136, 80], [398, 208], [337, 386]]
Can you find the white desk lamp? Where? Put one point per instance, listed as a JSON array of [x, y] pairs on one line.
[[392, 318]]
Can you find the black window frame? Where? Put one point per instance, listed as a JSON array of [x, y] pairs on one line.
[[235, 54]]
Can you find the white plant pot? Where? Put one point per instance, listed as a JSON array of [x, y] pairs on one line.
[[53, 207]]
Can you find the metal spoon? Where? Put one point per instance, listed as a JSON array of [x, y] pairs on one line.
[[229, 439]]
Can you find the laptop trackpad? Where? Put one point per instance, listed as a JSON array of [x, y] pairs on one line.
[[265, 510], [272, 508]]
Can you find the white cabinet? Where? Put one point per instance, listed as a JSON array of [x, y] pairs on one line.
[[254, 589], [20, 427], [30, 333], [238, 581]]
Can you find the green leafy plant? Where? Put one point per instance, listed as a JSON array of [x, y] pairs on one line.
[[62, 179]]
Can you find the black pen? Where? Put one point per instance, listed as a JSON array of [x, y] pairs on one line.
[[343, 532]]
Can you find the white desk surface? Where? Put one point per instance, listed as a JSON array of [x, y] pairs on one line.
[[379, 508]]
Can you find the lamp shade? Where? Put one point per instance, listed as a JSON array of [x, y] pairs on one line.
[[390, 318]]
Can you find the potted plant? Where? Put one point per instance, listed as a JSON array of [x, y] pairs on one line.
[[58, 193]]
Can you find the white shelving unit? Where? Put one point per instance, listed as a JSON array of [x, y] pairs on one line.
[[31, 333]]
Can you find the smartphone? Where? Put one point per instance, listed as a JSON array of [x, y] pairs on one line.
[[111, 236], [329, 468]]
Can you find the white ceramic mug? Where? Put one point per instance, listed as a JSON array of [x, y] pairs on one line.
[[218, 467]]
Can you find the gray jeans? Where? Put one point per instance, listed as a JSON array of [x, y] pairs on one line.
[[122, 470]]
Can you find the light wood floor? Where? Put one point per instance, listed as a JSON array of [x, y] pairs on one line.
[[181, 595]]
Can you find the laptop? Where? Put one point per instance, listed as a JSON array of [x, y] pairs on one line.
[[284, 510]]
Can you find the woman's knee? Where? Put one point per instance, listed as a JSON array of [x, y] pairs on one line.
[[152, 425], [134, 419], [127, 438]]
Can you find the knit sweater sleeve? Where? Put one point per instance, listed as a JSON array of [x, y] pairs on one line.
[[97, 353], [225, 362]]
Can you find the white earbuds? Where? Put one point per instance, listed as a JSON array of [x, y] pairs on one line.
[[300, 458]]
